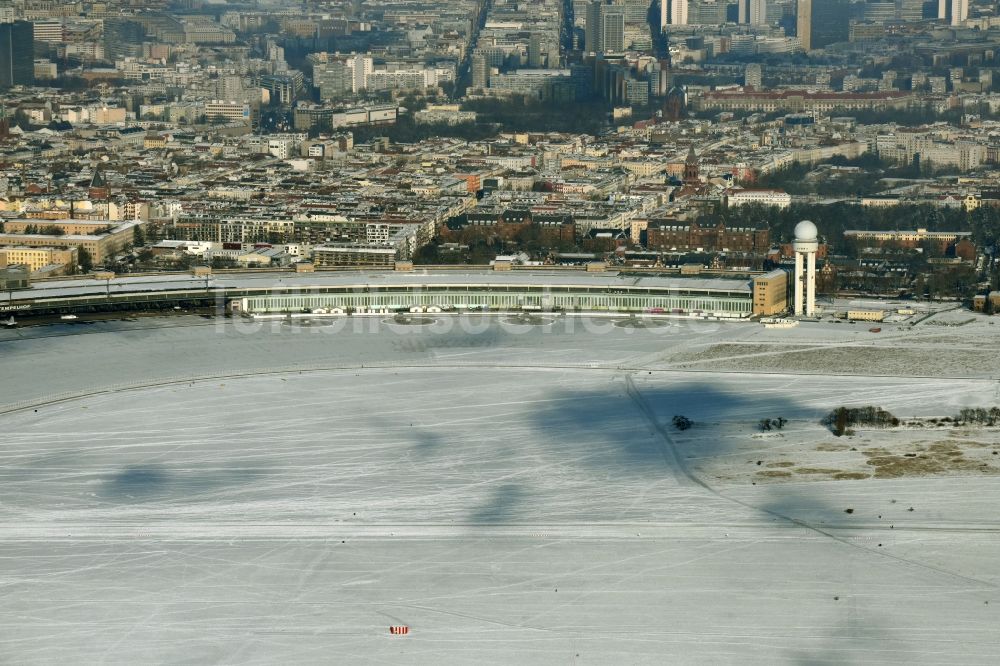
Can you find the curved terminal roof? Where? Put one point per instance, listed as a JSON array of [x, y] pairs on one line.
[[372, 280]]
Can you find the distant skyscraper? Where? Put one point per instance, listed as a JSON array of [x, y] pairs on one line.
[[605, 29], [678, 12], [580, 11], [753, 12], [831, 20], [613, 29], [955, 10], [361, 67], [754, 76], [803, 23], [820, 23], [591, 26], [636, 12], [17, 56], [959, 11], [480, 71]]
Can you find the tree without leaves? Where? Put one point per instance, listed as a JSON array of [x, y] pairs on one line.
[[979, 415], [840, 426], [842, 418]]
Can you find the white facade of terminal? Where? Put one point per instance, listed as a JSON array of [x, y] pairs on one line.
[[472, 290]]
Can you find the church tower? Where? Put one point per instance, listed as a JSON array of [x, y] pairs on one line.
[[98, 189], [691, 168]]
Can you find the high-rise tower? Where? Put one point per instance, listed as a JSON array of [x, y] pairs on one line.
[[954, 10], [605, 28], [803, 23], [678, 12], [753, 12], [17, 59]]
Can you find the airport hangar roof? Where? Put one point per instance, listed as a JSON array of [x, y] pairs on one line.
[[376, 279]]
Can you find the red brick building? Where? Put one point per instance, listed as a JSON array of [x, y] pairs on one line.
[[965, 249], [605, 240], [509, 225], [672, 235]]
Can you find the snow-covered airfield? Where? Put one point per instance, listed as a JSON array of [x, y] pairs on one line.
[[184, 490]]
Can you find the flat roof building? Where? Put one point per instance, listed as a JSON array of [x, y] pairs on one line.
[[354, 255], [36, 258], [14, 277], [770, 293], [99, 245]]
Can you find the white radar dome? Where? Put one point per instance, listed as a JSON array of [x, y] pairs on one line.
[[806, 231]]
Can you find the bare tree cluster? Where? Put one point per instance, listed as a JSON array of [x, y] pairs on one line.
[[776, 424], [843, 418], [979, 415]]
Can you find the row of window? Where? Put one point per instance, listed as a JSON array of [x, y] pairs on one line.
[[740, 306], [639, 292]]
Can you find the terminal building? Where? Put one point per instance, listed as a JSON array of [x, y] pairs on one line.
[[715, 298], [355, 291]]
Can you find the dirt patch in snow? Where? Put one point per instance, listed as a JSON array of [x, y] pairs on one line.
[[816, 470], [774, 474], [833, 447], [927, 460], [850, 476], [852, 359], [894, 454]]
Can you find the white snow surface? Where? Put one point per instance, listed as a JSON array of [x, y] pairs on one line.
[[183, 490]]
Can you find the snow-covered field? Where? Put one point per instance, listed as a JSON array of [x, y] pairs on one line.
[[189, 491]]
